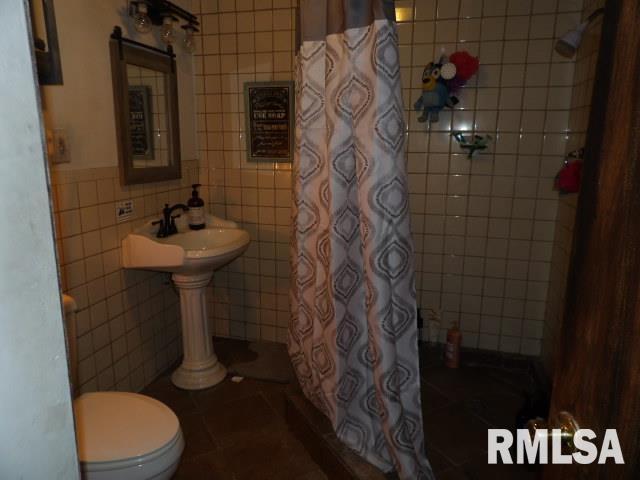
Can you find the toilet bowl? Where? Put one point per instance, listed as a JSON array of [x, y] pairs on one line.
[[121, 435], [126, 436]]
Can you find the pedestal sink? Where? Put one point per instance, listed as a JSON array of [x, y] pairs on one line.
[[191, 256]]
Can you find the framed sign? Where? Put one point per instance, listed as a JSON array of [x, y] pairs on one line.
[[140, 122], [269, 116]]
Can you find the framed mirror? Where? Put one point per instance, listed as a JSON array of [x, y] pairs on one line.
[[145, 92]]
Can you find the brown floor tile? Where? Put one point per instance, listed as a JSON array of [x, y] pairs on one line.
[[516, 380], [456, 433], [274, 394], [238, 421], [226, 392], [267, 361], [196, 436], [312, 417], [433, 399], [228, 349], [269, 454], [453, 474], [430, 356], [462, 383], [178, 400], [211, 465], [498, 408], [439, 462], [360, 468], [478, 469], [314, 475]]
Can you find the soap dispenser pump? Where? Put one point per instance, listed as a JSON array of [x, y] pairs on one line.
[[196, 210]]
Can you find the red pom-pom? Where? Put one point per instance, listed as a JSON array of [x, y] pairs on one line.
[[466, 65]]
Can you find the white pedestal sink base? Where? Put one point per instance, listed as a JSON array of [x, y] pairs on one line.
[[191, 379], [200, 366]]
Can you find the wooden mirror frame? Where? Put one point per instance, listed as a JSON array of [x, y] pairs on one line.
[[123, 52]]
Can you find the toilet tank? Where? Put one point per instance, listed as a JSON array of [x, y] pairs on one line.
[[70, 308]]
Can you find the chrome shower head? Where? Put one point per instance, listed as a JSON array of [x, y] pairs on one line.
[[567, 45]]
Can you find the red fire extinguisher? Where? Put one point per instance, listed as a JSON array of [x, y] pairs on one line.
[[452, 347]]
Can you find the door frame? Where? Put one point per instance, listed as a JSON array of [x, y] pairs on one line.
[[37, 438], [597, 353]]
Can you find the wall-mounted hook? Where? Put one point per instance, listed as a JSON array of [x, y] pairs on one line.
[[472, 144]]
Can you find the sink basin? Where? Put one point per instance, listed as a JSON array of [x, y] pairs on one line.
[[188, 251], [190, 256]]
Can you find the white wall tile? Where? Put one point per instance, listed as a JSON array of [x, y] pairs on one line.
[[468, 215]]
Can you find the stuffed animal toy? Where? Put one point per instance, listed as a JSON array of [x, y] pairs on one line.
[[439, 80], [466, 67], [435, 95]]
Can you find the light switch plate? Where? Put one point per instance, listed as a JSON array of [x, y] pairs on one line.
[[124, 211], [59, 148]]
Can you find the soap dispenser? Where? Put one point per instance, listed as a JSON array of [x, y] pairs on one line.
[[196, 210]]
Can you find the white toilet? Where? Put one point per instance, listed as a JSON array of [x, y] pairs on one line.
[[121, 436]]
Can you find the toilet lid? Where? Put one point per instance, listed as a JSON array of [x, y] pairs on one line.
[[118, 425]]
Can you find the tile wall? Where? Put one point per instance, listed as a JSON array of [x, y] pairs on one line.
[[483, 228], [585, 69], [128, 323], [245, 41]]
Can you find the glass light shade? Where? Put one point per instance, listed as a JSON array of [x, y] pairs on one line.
[[141, 20], [168, 34], [189, 39]]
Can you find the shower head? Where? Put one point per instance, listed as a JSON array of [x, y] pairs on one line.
[[568, 44]]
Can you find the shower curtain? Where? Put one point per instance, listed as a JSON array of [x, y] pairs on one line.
[[353, 332]]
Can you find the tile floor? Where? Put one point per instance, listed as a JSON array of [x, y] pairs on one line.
[[460, 405], [238, 430], [235, 431]]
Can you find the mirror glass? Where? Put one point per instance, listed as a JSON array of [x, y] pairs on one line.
[[148, 122]]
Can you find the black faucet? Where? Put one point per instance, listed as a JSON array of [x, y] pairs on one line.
[[168, 222]]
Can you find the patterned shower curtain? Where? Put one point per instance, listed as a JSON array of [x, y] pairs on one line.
[[353, 332]]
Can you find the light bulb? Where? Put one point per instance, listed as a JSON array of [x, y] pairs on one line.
[[168, 34], [141, 20], [189, 41]]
